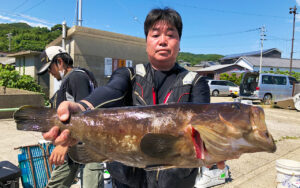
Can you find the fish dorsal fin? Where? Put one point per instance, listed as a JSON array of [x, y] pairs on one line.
[[83, 154], [158, 145]]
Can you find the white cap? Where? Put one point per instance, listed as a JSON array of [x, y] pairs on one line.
[[48, 55]]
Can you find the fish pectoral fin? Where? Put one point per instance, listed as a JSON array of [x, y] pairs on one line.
[[158, 145], [213, 141], [158, 167], [83, 154]]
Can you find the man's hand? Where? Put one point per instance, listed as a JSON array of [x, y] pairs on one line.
[[58, 155], [64, 110]]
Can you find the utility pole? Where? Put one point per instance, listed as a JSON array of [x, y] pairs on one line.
[[262, 38], [292, 11], [9, 35], [76, 13], [80, 13], [64, 35]]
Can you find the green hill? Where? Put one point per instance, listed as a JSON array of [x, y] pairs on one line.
[[25, 37], [197, 58]]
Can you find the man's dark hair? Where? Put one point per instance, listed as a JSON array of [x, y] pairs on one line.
[[167, 14], [67, 59]]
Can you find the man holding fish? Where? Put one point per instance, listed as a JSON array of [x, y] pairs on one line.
[[159, 82]]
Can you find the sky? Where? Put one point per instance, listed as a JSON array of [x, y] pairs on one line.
[[209, 26]]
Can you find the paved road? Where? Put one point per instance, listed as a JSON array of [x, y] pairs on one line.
[[250, 170]]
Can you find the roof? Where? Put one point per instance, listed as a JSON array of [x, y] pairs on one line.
[[85, 31], [249, 53], [24, 53], [271, 62], [214, 67], [3, 54], [7, 60]]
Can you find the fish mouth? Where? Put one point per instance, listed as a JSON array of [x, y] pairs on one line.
[[198, 144]]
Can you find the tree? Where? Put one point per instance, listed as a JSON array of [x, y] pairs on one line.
[[233, 78], [25, 37], [10, 78]]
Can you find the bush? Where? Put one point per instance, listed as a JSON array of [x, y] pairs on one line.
[[294, 74], [10, 78], [233, 78]]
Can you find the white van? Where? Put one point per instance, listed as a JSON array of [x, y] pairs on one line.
[[266, 87], [223, 87]]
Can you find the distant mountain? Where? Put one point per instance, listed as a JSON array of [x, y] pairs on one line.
[[25, 37], [197, 58], [9, 26]]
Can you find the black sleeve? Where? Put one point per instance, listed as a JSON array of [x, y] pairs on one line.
[[79, 86], [200, 92], [114, 92]]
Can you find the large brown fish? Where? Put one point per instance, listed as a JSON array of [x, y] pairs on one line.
[[178, 135]]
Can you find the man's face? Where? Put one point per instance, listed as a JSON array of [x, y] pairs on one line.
[[163, 45], [54, 71]]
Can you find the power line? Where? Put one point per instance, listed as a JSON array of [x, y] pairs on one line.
[[20, 5], [223, 34], [34, 6], [271, 37], [135, 18], [231, 12]]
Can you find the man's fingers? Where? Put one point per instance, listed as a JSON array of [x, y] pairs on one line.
[[63, 111], [51, 134], [62, 139]]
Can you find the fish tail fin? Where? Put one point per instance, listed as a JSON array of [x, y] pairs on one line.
[[30, 118]]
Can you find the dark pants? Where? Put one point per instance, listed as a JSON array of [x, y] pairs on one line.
[[126, 177]]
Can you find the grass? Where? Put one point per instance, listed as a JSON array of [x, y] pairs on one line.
[[288, 138]]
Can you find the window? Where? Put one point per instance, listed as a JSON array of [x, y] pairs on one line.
[[222, 83], [267, 79], [292, 80], [278, 80], [230, 84], [213, 83]]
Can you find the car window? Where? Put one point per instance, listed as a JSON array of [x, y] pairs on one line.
[[292, 80], [230, 84], [266, 79], [213, 83], [222, 83], [279, 80]]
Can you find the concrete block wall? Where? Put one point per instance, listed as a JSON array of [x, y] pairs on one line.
[[18, 100]]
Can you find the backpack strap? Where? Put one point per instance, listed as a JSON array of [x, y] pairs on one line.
[[140, 70], [189, 78]]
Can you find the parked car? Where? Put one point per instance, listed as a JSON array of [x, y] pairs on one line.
[[266, 87], [223, 88]]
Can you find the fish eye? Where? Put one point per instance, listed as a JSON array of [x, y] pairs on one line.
[[267, 134]]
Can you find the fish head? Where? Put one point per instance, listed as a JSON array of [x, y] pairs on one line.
[[259, 135], [231, 129]]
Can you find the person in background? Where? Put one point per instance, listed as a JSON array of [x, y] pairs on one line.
[[161, 81], [76, 83]]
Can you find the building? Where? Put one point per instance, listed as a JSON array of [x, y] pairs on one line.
[[27, 63], [213, 72], [272, 53], [4, 60], [101, 51], [268, 64]]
